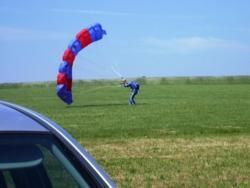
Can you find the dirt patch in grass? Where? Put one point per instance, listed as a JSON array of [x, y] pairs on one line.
[[169, 162], [164, 148]]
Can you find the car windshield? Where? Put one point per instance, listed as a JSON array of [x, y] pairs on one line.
[[38, 161]]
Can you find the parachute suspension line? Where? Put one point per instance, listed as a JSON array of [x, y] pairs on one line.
[[116, 72], [64, 77]]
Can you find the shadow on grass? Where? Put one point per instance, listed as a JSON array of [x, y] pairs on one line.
[[103, 105]]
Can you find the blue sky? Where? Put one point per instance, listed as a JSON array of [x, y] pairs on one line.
[[144, 38]]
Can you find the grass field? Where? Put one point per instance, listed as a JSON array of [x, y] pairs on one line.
[[179, 135]]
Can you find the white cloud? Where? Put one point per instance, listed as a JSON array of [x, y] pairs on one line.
[[91, 12], [13, 33], [193, 44], [70, 11]]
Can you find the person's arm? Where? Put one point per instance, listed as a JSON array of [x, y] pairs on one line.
[[126, 84]]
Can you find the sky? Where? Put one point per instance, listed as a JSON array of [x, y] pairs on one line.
[[161, 38]]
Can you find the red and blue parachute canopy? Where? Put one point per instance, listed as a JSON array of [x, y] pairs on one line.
[[64, 78]]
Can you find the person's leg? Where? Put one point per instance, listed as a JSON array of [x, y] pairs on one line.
[[134, 93], [130, 100]]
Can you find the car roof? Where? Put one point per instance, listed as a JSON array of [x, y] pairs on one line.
[[31, 121], [12, 120]]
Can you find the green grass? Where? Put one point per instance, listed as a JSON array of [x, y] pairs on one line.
[[181, 134]]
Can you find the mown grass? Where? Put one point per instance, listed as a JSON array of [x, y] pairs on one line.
[[178, 162], [181, 133]]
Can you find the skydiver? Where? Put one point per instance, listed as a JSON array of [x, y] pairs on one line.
[[134, 86]]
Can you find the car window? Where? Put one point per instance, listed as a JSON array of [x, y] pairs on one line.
[[6, 180], [37, 161]]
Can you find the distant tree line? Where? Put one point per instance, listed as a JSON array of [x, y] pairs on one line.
[[143, 80]]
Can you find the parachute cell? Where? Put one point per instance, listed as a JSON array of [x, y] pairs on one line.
[[75, 46], [64, 78]]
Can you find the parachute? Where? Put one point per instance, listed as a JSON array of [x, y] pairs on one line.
[[64, 78]]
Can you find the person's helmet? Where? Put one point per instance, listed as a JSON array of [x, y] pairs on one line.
[[124, 80]]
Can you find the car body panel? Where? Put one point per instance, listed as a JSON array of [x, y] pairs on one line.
[[38, 123], [12, 120]]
